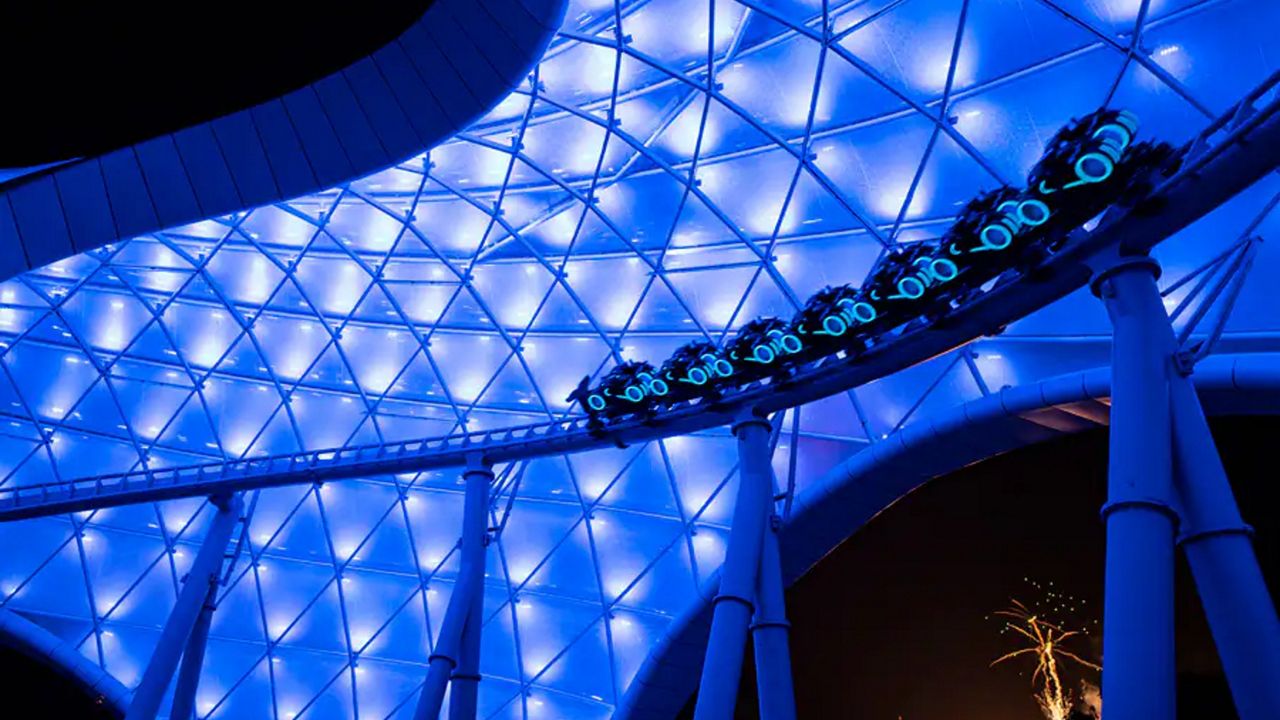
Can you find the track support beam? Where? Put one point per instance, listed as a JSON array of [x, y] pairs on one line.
[[201, 580], [769, 634], [1138, 626], [184, 693], [1149, 383], [731, 618], [455, 661], [1219, 548]]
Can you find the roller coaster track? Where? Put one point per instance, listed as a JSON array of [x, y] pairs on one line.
[[1235, 151]]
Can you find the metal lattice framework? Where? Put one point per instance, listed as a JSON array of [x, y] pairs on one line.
[[646, 187], [1232, 153]]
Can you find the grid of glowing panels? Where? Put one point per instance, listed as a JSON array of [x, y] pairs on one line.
[[674, 169]]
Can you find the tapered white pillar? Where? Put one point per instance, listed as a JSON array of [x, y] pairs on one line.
[[733, 606], [204, 575], [1219, 549], [770, 635], [446, 657], [1138, 622]]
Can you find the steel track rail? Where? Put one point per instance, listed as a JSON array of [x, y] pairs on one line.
[[1232, 153]]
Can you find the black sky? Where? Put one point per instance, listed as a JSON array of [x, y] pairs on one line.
[[83, 78]]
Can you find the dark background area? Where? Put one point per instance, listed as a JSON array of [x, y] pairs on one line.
[[896, 621], [26, 683], [85, 78]]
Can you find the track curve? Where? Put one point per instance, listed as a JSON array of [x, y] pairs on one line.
[[1231, 154]]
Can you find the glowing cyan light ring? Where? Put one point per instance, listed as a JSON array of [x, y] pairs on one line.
[[788, 343], [1108, 166], [764, 358], [935, 263], [1040, 206], [855, 310], [596, 402], [1127, 120], [913, 282], [988, 245], [694, 374], [655, 386], [1104, 134], [834, 321], [718, 365], [1113, 134]]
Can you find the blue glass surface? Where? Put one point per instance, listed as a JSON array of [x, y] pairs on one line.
[[724, 162]]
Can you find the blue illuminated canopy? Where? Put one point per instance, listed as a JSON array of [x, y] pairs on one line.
[[671, 171]]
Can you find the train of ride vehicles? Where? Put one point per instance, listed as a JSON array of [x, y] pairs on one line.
[[1090, 164]]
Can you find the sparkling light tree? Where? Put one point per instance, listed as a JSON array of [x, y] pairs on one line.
[[1043, 640]]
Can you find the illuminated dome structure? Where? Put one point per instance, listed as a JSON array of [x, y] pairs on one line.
[[669, 171]]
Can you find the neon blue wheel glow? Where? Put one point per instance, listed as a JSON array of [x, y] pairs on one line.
[[1121, 133], [863, 312], [1039, 217], [1096, 160], [951, 269], [1004, 238], [912, 282]]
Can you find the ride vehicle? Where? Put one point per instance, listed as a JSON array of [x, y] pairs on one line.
[[631, 388], [995, 231], [764, 347], [696, 370], [833, 319], [905, 281], [1092, 163]]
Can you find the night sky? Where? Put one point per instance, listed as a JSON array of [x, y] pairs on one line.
[[892, 623], [26, 683], [142, 70]]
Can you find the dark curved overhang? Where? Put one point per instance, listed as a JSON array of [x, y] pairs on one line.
[[450, 67], [53, 652], [869, 482]]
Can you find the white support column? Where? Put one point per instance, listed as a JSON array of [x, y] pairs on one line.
[[204, 575], [733, 605], [770, 634], [468, 594], [184, 693], [1138, 624]]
